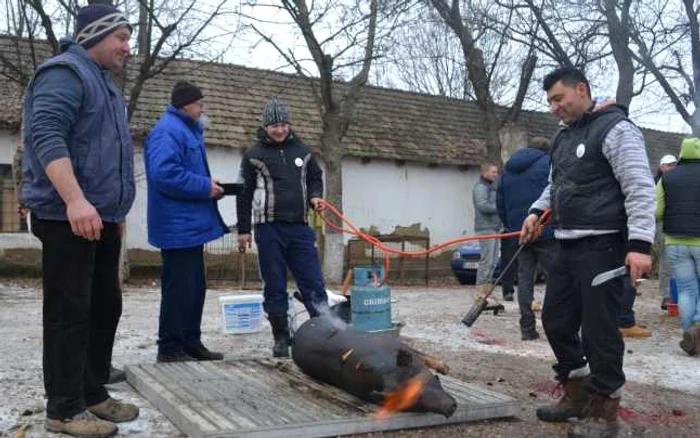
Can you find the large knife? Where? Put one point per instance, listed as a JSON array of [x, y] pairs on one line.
[[609, 275]]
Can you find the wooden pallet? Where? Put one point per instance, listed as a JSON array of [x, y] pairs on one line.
[[273, 398]]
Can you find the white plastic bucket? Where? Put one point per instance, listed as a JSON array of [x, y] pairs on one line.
[[241, 313]]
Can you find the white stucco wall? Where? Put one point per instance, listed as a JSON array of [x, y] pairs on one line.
[[385, 195], [8, 145]]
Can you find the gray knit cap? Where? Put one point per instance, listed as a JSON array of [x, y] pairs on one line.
[[275, 112]]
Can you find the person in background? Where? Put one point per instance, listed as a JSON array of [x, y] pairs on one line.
[[78, 184], [282, 181], [666, 163], [525, 175], [183, 215], [678, 205], [486, 221], [627, 321]]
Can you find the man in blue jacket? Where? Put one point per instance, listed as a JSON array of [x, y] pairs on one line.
[[78, 182], [525, 175], [282, 181], [182, 217]]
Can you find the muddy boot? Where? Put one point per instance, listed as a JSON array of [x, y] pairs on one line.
[[83, 424], [601, 419], [572, 404], [280, 331], [691, 340], [115, 411]]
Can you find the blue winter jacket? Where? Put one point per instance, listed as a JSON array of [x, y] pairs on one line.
[[524, 177], [180, 212]]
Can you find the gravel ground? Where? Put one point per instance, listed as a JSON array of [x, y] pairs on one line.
[[662, 397]]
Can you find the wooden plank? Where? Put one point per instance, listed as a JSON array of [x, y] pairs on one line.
[[271, 398], [187, 419]]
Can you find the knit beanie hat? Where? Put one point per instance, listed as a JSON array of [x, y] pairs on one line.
[[184, 93], [275, 112], [95, 22]]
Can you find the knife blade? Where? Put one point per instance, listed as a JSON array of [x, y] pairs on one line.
[[609, 275]]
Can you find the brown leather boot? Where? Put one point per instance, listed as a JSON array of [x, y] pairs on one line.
[[83, 424], [635, 332], [571, 404], [600, 419], [114, 411]]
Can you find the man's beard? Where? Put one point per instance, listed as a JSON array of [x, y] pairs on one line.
[[204, 120]]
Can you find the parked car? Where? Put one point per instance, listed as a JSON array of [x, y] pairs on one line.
[[465, 261]]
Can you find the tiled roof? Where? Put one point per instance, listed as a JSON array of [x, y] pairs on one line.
[[388, 124]]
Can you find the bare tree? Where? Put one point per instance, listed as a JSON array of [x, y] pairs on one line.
[[619, 35], [181, 27], [424, 56], [481, 72], [657, 37]]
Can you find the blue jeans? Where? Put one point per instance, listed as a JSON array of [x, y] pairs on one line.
[[286, 245], [685, 266]]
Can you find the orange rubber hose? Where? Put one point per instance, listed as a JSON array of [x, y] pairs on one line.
[[355, 231]]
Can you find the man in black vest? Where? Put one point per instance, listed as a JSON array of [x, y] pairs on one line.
[[678, 195], [602, 196]]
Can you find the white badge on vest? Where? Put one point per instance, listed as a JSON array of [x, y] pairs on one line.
[[580, 150], [299, 162]]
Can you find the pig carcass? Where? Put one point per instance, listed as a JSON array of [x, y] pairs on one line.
[[369, 366]]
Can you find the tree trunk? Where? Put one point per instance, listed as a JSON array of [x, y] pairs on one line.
[[144, 37], [479, 78], [334, 248], [619, 34]]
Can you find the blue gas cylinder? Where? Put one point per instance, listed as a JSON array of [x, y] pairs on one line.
[[370, 303]]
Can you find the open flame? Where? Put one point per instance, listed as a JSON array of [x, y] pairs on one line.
[[403, 397]]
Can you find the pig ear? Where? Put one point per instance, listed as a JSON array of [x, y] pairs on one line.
[[403, 358]]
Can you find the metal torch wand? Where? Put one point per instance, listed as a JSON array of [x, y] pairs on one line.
[[481, 302]]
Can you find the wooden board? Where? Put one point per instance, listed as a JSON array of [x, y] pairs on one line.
[[273, 398]]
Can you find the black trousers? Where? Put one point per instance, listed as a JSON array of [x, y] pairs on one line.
[[540, 252], [508, 248], [571, 305], [82, 307], [183, 288]]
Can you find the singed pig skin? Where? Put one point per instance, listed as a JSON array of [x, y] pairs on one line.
[[366, 365]]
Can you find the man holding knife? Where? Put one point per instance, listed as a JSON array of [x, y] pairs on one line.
[[601, 193]]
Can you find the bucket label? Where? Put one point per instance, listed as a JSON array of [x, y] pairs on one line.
[[242, 316]]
